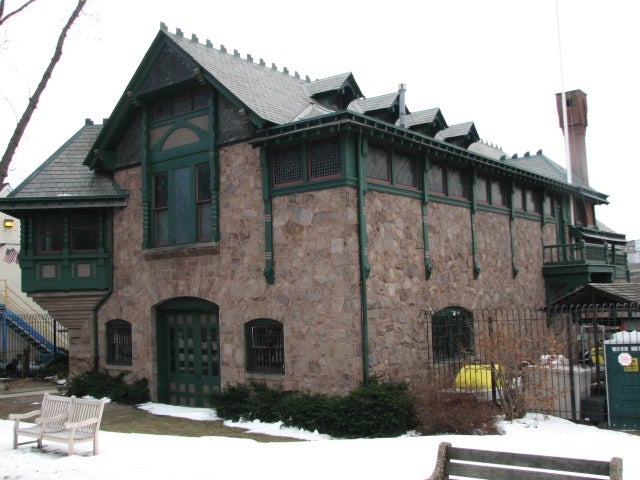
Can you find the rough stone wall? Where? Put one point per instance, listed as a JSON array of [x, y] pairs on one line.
[[315, 294], [318, 287], [399, 293]]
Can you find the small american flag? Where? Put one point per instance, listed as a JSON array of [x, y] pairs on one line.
[[10, 255]]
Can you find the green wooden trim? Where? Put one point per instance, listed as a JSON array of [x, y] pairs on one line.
[[269, 266], [428, 267], [214, 168], [472, 212], [365, 267], [512, 233], [147, 215]]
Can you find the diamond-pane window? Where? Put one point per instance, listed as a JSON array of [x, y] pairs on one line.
[[436, 178], [405, 170], [287, 166], [324, 158], [378, 163]]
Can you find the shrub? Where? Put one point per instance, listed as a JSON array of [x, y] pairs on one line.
[[58, 366], [98, 385], [375, 409], [440, 412]]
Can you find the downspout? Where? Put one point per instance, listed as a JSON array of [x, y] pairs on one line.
[[269, 266], [365, 268], [428, 267], [474, 240], [94, 320]]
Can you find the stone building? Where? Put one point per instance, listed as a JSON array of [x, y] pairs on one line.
[[233, 222]]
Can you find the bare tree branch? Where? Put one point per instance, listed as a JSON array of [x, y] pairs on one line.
[[4, 18], [35, 98]]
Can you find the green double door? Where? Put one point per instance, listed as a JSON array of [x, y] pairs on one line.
[[188, 352]]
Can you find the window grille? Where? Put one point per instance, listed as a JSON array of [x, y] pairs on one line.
[[324, 158], [287, 166], [378, 163], [119, 351], [264, 346], [405, 170], [452, 334]]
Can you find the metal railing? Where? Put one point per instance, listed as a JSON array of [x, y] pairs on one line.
[[29, 342], [553, 357]]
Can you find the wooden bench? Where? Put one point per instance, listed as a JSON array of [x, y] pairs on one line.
[[67, 420], [454, 462]]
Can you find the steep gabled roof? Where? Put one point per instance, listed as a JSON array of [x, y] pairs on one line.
[[63, 179], [333, 83], [364, 105], [462, 134], [422, 117], [274, 96]]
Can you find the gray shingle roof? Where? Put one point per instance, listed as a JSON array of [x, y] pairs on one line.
[[602, 293], [273, 95], [64, 176], [363, 105], [459, 130], [540, 164], [421, 117], [328, 84]]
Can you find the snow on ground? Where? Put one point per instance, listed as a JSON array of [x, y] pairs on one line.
[[320, 457]]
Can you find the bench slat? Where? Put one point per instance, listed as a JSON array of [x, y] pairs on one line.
[[594, 467], [497, 472], [68, 420], [455, 462]]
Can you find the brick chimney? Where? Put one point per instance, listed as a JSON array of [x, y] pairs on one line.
[[576, 102]]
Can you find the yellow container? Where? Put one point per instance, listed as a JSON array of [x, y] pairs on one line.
[[475, 377]]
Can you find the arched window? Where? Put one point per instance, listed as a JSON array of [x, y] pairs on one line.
[[119, 351], [264, 340], [452, 334]]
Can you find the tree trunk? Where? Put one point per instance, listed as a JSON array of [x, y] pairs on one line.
[[35, 98]]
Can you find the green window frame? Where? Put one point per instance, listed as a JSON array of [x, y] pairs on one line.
[[181, 202], [316, 160], [452, 334], [392, 167], [264, 346], [75, 231], [449, 181]]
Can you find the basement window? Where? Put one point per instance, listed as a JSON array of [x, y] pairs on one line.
[[264, 340], [452, 334], [119, 351]]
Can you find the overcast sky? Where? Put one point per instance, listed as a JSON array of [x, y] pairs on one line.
[[494, 62]]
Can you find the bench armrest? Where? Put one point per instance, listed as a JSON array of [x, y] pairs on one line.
[[57, 418], [24, 416], [83, 423]]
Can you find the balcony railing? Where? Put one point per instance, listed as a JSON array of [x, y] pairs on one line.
[[583, 253]]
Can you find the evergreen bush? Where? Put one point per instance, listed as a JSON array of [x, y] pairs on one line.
[[375, 409], [98, 385]]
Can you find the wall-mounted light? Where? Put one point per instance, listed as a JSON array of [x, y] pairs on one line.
[[9, 222]]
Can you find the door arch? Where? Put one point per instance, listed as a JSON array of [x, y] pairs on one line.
[[188, 344]]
